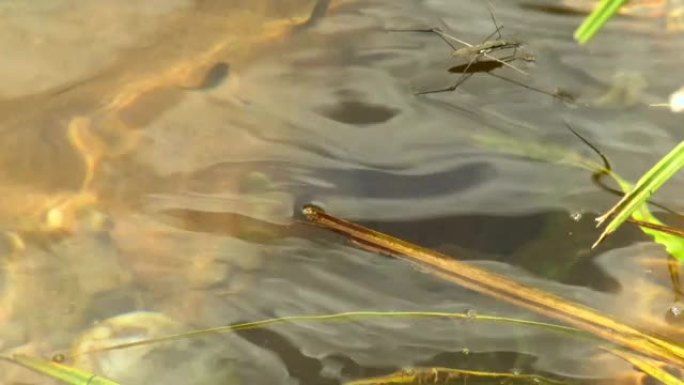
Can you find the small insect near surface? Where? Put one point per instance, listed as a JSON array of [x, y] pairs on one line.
[[492, 53]]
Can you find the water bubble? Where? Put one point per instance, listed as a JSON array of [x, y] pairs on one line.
[[675, 314], [471, 313], [576, 216], [465, 351], [515, 371], [58, 358]]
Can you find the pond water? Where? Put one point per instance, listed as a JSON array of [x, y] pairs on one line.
[[154, 157]]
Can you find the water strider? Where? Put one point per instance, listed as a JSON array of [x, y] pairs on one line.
[[474, 53]]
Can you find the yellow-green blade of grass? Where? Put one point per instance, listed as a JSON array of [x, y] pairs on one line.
[[649, 367], [63, 373], [651, 181], [603, 12], [437, 375], [674, 244]]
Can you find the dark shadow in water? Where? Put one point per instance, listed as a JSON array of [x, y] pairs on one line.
[[358, 113], [227, 224], [476, 67], [319, 11], [307, 370], [380, 184], [553, 9], [216, 75]]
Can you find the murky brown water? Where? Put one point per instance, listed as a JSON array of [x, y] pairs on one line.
[[152, 156]]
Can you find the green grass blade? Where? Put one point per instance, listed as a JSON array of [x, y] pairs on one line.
[[63, 373], [644, 188], [605, 10], [673, 244]]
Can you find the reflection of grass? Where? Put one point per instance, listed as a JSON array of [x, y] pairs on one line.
[[603, 12]]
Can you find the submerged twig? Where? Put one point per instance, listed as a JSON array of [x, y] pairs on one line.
[[655, 226], [505, 289]]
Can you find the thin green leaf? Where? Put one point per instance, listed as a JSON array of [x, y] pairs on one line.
[[364, 315], [63, 373], [672, 243], [644, 188], [603, 12], [347, 316]]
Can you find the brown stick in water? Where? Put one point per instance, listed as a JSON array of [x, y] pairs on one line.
[[505, 289]]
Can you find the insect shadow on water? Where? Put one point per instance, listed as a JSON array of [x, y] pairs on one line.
[[474, 54]]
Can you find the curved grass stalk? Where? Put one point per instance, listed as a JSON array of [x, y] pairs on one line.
[[344, 317], [74, 376], [414, 375], [598, 18]]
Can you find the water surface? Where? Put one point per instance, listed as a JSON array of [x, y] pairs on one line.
[[154, 157]]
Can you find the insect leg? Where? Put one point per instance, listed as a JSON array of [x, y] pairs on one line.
[[446, 36], [491, 35], [436, 31], [460, 81], [498, 26], [529, 87]]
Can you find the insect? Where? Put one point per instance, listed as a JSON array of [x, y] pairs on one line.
[[474, 53]]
